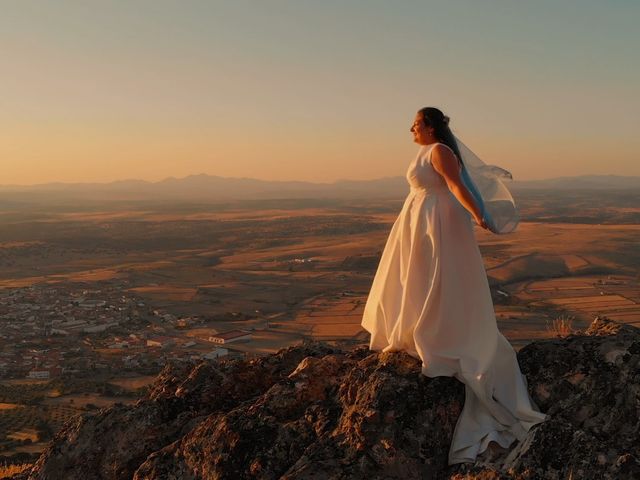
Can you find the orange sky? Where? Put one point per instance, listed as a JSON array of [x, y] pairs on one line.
[[316, 92]]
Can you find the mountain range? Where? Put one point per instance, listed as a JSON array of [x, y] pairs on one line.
[[211, 187]]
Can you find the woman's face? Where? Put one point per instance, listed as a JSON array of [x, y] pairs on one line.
[[421, 133]]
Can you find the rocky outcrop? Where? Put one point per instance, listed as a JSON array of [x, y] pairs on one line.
[[320, 412]]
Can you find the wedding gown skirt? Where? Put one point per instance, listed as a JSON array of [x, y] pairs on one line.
[[430, 297]]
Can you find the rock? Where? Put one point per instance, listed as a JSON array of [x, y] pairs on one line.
[[320, 412]]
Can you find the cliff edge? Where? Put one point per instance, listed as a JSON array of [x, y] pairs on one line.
[[319, 412]]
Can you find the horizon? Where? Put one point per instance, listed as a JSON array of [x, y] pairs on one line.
[[313, 92], [124, 180]]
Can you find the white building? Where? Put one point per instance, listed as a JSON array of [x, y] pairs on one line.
[[89, 304], [71, 324], [215, 353], [229, 336], [162, 342], [99, 328]]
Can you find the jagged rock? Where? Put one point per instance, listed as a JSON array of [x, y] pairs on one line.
[[320, 412]]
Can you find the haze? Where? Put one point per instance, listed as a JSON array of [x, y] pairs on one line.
[[301, 90]]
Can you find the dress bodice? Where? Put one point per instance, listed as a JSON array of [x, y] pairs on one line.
[[422, 176]]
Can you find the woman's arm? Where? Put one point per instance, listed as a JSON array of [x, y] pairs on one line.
[[446, 164]]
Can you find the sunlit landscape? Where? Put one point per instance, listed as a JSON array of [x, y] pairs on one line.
[[94, 303]]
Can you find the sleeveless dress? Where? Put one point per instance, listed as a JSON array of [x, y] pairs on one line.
[[430, 297]]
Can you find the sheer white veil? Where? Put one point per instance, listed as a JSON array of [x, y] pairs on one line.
[[485, 183]]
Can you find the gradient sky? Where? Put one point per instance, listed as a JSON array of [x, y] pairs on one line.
[[313, 90]]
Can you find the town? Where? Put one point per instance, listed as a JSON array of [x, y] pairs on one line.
[[50, 331]]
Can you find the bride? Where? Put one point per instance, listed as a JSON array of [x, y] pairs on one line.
[[430, 295]]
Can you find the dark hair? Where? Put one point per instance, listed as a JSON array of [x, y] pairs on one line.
[[433, 117]]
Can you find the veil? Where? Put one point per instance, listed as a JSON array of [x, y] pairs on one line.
[[484, 182]]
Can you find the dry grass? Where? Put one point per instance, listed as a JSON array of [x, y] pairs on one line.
[[24, 434], [561, 326], [7, 471]]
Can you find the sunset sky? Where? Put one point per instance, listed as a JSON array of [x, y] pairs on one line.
[[313, 90]]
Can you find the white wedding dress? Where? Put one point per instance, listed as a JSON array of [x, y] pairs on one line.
[[430, 297]]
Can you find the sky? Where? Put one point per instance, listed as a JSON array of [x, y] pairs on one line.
[[98, 91]]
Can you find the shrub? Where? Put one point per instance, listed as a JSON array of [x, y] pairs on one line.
[[561, 326], [7, 471]]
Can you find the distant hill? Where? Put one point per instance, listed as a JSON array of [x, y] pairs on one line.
[[581, 182], [211, 187]]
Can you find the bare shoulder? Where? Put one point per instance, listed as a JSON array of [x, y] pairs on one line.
[[443, 158], [445, 162], [443, 146]]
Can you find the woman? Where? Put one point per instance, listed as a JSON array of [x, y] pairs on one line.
[[430, 295]]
